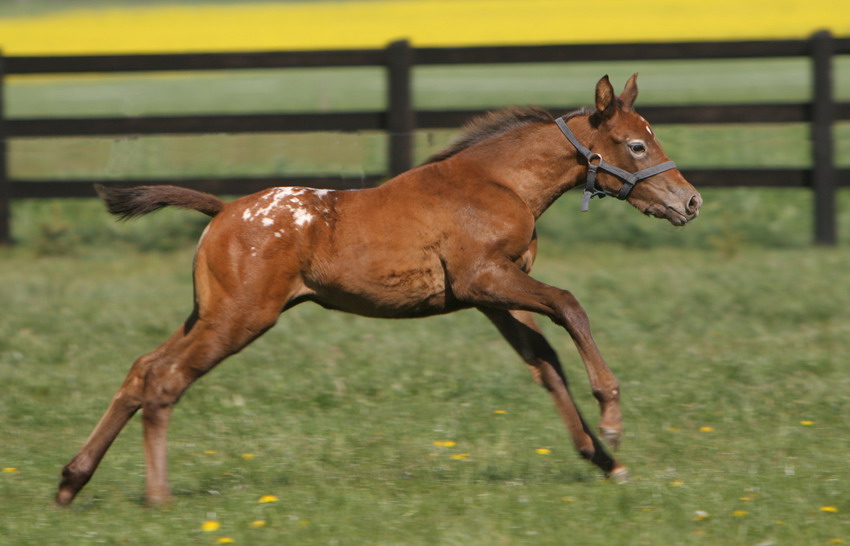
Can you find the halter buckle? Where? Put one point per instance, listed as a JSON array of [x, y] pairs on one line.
[[594, 160]]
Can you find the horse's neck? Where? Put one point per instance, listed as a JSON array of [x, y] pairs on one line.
[[536, 162]]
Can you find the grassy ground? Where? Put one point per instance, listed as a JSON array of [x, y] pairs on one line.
[[729, 338]]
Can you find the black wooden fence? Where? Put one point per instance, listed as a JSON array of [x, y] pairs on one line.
[[400, 120]]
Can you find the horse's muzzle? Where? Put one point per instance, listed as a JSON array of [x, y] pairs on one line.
[[679, 214]]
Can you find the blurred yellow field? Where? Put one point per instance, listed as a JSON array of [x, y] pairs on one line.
[[336, 24]]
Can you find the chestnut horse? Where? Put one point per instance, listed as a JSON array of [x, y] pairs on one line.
[[455, 232]]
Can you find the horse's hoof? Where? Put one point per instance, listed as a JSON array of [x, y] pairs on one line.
[[64, 497], [611, 436], [619, 475], [158, 500]]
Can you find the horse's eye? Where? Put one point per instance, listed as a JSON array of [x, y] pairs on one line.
[[637, 147]]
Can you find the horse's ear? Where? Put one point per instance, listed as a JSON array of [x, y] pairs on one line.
[[630, 92], [606, 102]]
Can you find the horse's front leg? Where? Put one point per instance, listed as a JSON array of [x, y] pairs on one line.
[[520, 330], [603, 384], [506, 288]]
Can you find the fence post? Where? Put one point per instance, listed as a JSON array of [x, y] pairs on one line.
[[5, 186], [400, 117], [823, 168]]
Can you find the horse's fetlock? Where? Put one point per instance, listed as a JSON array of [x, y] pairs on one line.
[[607, 395], [73, 478]]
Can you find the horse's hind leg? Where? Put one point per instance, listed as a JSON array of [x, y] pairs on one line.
[[520, 329], [155, 383], [208, 344], [123, 406]]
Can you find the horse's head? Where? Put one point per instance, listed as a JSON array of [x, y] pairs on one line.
[[624, 145]]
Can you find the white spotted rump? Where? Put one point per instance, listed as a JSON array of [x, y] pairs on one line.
[[289, 206]]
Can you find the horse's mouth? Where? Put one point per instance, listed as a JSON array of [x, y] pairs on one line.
[[671, 214], [678, 218]]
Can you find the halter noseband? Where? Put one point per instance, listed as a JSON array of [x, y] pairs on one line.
[[595, 162]]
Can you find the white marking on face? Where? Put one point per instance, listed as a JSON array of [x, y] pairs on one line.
[[646, 124], [267, 221]]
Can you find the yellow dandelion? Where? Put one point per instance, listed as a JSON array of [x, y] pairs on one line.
[[225, 540], [706, 429], [700, 515], [209, 452], [747, 498], [499, 412], [210, 526], [807, 423], [568, 499], [461, 456], [740, 513], [248, 456], [268, 498], [836, 541], [304, 523], [10, 470], [672, 429], [543, 451], [257, 523], [677, 483], [829, 509], [445, 443]]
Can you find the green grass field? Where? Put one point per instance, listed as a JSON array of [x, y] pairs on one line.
[[729, 338]]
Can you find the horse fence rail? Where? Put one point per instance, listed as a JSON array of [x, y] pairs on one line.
[[400, 119]]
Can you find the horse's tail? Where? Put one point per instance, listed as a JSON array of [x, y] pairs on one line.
[[128, 203]]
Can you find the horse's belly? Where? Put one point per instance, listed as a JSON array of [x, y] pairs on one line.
[[388, 293]]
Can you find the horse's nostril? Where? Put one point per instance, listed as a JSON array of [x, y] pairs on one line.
[[694, 204]]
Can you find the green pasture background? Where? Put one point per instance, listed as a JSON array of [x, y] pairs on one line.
[[727, 336]]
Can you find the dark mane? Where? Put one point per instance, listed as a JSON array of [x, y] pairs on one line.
[[489, 125]]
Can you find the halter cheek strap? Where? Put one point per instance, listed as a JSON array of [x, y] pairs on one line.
[[595, 163]]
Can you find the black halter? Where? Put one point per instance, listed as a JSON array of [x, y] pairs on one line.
[[595, 162]]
